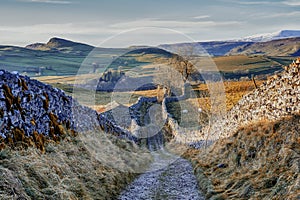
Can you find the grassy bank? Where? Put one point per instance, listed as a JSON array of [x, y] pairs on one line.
[[71, 169], [260, 161]]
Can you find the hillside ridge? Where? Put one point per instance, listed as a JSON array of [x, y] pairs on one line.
[[60, 44], [283, 47]]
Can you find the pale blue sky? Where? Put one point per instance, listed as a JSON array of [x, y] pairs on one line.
[[91, 21]]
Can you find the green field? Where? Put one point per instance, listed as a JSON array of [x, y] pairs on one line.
[[54, 63]]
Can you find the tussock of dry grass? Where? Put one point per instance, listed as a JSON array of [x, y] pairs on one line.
[[260, 161], [70, 170]]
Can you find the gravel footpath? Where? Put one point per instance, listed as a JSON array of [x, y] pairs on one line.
[[169, 177]]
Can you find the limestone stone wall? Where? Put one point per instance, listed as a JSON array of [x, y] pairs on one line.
[[31, 111], [181, 135], [142, 100], [136, 129], [279, 96]]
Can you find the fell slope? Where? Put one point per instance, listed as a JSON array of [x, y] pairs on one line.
[[272, 36], [282, 47], [213, 48]]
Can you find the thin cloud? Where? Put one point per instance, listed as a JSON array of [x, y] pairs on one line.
[[254, 2], [60, 29], [48, 1], [173, 24], [282, 15], [251, 2], [286, 2], [201, 17], [292, 2]]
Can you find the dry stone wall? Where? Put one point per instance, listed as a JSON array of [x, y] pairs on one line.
[[180, 134], [279, 96], [31, 111], [135, 108]]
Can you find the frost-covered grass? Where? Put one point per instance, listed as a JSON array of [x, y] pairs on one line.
[[71, 169]]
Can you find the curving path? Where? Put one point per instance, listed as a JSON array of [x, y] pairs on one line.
[[169, 177]]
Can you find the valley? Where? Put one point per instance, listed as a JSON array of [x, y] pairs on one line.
[[84, 122]]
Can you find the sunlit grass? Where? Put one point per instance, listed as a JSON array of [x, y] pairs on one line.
[[258, 162]]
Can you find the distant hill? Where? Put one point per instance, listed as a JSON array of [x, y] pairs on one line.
[[61, 45], [272, 36], [151, 50], [214, 48], [133, 58], [64, 57], [57, 57], [278, 47], [221, 48], [282, 47]]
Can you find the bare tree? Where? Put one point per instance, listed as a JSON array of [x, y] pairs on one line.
[[178, 69], [182, 61], [168, 78]]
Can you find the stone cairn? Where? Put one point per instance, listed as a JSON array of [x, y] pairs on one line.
[[279, 96], [32, 112]]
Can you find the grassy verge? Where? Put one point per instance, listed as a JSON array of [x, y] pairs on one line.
[[71, 169], [260, 161]]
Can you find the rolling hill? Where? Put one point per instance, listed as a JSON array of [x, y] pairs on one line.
[[214, 48], [283, 47], [276, 47], [61, 45], [56, 57], [61, 57]]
